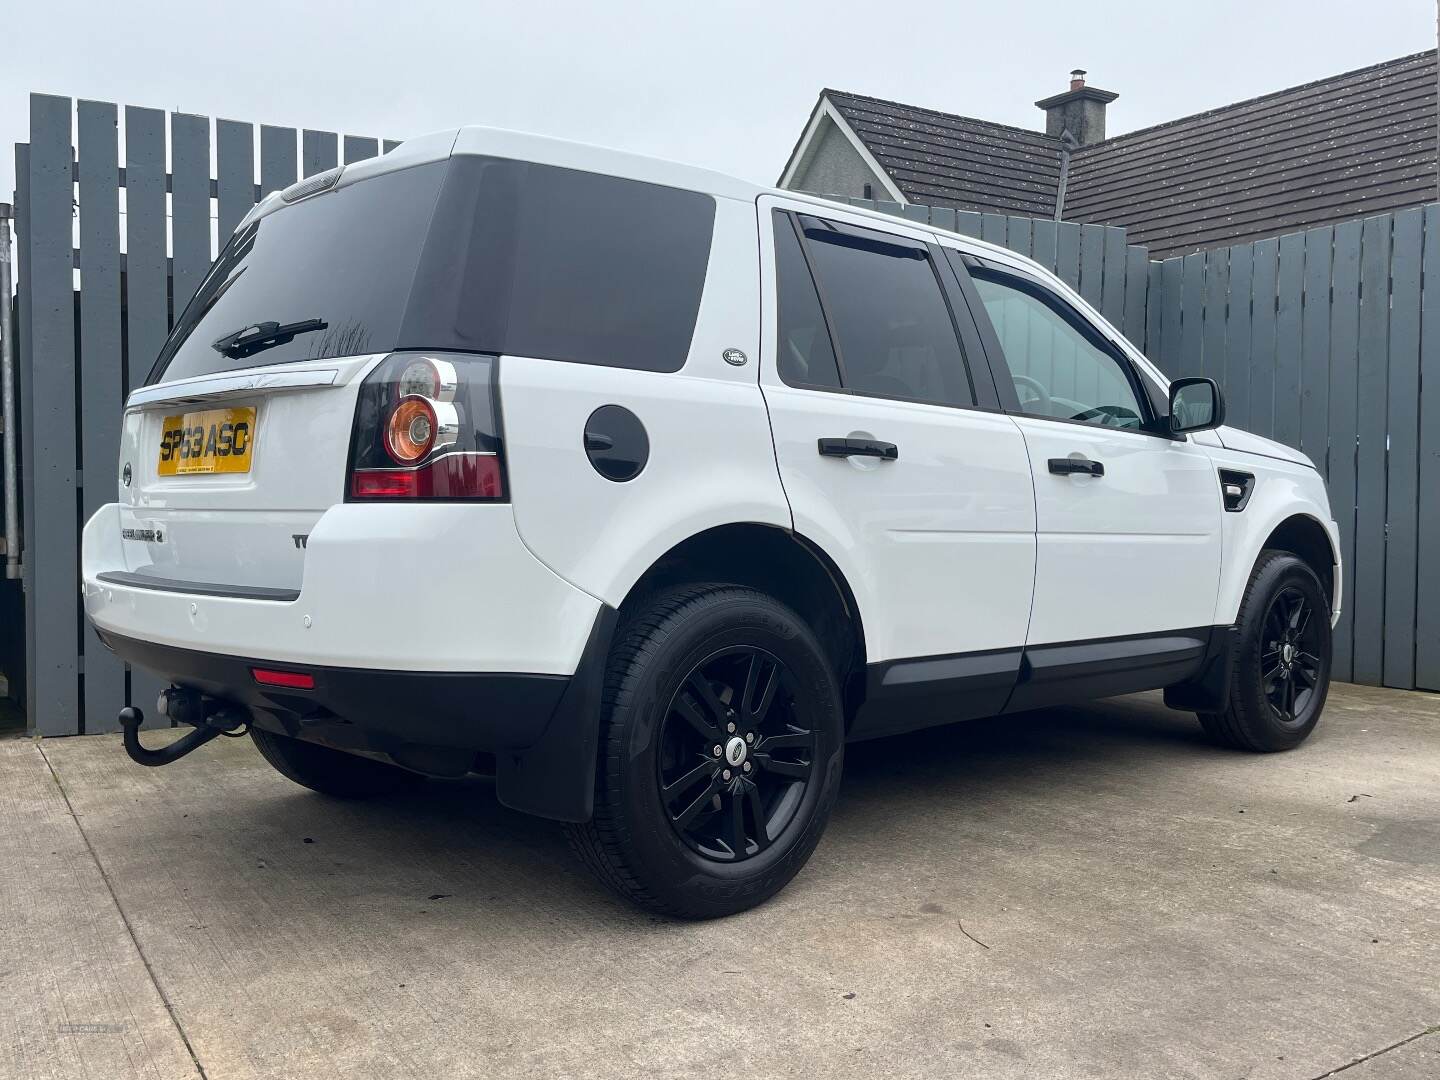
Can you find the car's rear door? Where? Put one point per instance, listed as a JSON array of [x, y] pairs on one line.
[[896, 459]]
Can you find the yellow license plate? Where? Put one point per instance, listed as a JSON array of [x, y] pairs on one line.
[[212, 441]]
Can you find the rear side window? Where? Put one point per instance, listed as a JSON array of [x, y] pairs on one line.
[[890, 320], [565, 265], [806, 357]]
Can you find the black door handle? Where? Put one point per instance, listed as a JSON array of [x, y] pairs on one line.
[[885, 451], [1069, 466]]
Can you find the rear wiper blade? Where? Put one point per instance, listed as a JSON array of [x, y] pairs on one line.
[[258, 337]]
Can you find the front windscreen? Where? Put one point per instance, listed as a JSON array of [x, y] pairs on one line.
[[332, 273]]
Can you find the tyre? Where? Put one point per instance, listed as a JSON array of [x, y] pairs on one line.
[[330, 772], [1280, 663], [721, 745]]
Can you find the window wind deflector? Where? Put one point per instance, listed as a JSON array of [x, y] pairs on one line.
[[257, 337], [829, 232]]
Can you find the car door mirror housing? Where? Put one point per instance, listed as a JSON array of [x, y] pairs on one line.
[[1195, 405]]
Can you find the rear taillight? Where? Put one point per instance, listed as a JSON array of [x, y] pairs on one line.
[[427, 427]]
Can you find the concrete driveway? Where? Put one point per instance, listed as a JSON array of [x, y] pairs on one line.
[[1075, 893]]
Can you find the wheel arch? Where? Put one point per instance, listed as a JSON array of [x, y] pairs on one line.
[[1303, 535], [780, 563]]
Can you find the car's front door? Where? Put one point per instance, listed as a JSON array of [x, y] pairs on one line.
[[1128, 518], [928, 507]]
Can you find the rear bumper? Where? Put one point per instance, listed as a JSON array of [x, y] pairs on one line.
[[543, 730], [388, 587], [431, 631], [368, 710]]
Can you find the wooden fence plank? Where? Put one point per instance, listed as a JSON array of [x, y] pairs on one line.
[[102, 368], [1289, 293], [1240, 260], [1092, 264], [1403, 443], [918, 212], [1113, 268], [967, 223], [1067, 253], [1192, 315], [1045, 240], [1217, 298], [146, 303], [1315, 346], [1427, 598], [320, 150], [1369, 575], [235, 175], [1154, 309], [25, 361], [53, 543], [390, 144], [189, 205], [1137, 278], [358, 148], [277, 158], [1020, 235], [1340, 461], [1264, 273], [1172, 276], [992, 228]]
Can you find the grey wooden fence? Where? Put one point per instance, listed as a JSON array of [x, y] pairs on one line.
[[92, 320], [1327, 340]]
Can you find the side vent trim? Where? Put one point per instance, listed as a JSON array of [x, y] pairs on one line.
[[1235, 488]]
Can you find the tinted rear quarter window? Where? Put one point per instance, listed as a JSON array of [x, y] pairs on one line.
[[565, 265], [806, 357]]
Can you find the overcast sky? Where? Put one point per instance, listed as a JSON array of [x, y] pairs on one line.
[[720, 83]]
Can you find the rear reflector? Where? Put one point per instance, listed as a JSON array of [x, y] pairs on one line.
[[450, 476], [292, 680]]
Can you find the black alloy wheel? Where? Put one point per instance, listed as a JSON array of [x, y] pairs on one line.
[[736, 753], [1291, 669], [722, 742], [1279, 659]]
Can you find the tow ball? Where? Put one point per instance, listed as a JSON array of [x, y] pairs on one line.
[[209, 716]]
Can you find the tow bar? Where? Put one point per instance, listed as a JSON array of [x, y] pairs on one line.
[[209, 717]]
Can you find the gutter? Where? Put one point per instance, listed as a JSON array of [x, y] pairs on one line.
[[1067, 141]]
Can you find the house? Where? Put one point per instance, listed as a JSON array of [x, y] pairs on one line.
[[1339, 148]]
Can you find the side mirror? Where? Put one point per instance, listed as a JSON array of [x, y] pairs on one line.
[[1195, 405]]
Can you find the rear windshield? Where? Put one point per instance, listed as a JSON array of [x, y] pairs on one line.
[[474, 253], [345, 259]]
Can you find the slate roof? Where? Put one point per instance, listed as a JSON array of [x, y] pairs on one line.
[[1348, 146], [946, 160]]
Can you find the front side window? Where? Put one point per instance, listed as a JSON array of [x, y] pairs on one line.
[[888, 316], [1061, 368]]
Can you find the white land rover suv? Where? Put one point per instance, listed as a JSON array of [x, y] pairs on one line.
[[650, 490]]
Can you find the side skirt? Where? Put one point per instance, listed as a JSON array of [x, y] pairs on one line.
[[905, 695]]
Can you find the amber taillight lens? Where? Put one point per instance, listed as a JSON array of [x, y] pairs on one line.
[[410, 431]]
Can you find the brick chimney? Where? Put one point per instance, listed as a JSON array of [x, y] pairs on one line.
[[1078, 113]]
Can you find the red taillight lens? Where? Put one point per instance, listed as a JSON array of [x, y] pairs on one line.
[[291, 680], [450, 476], [436, 416]]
